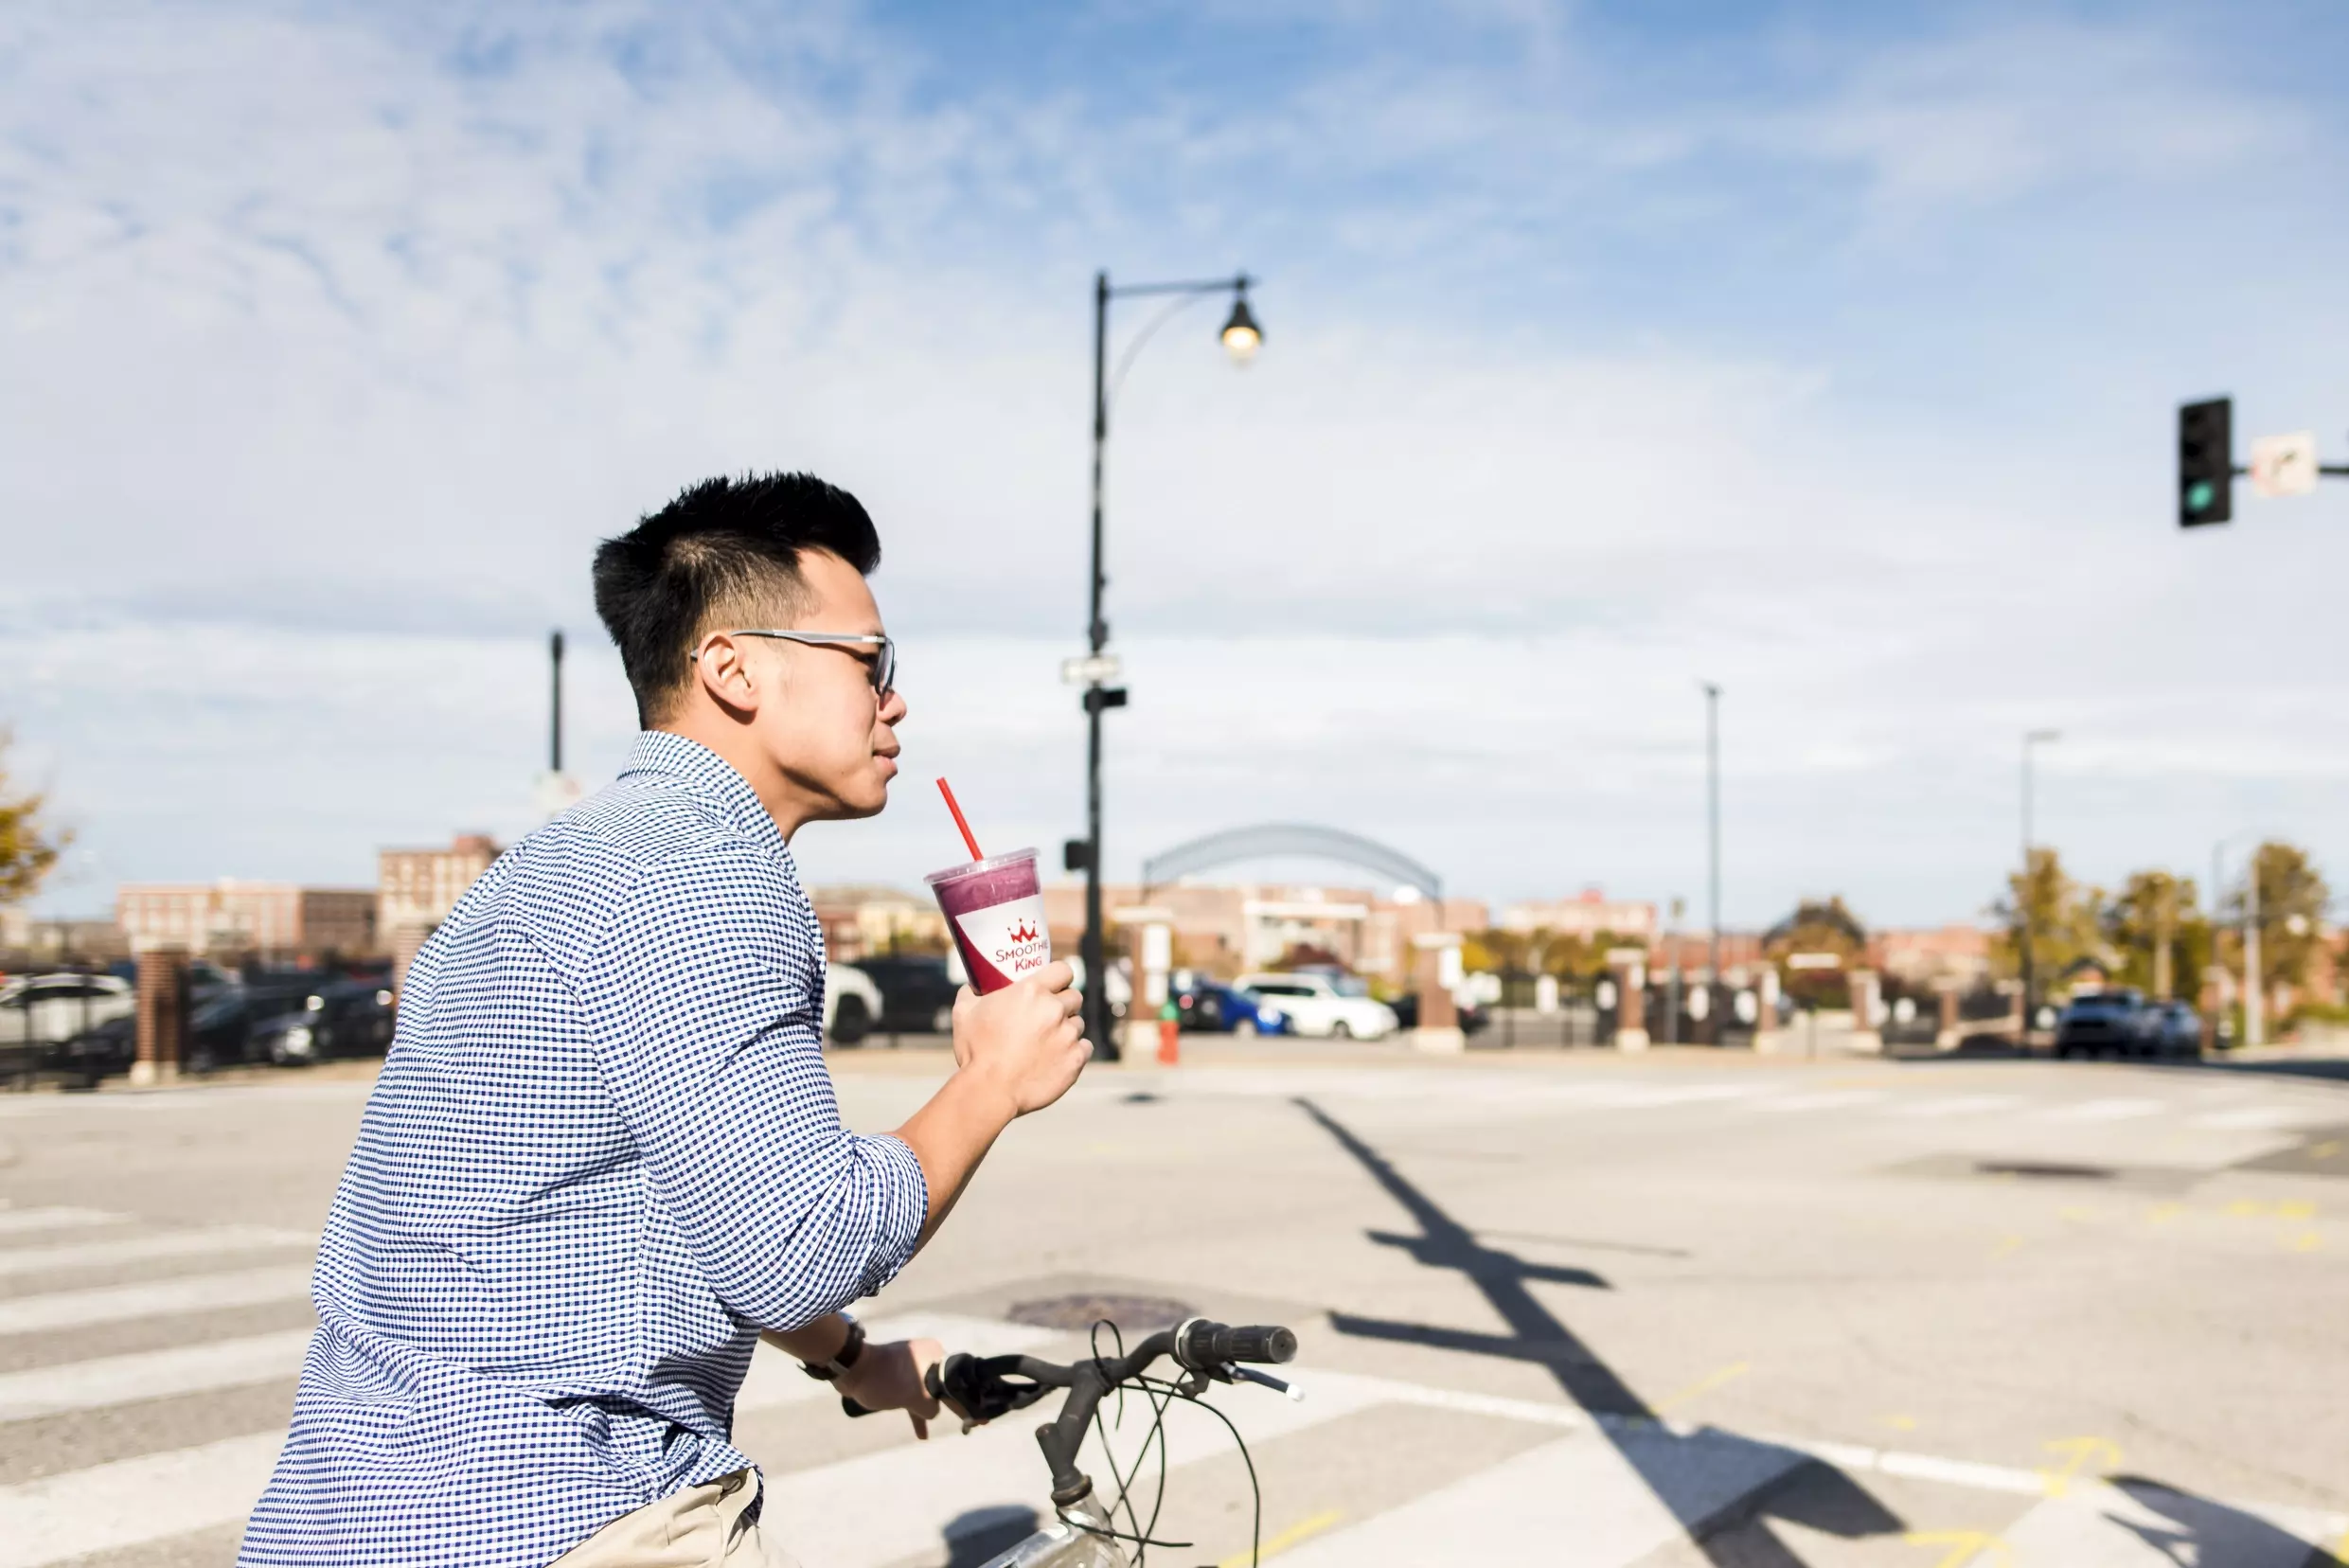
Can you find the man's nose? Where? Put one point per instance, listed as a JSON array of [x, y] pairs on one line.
[[893, 707]]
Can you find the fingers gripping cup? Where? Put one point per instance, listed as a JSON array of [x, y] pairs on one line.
[[995, 908]]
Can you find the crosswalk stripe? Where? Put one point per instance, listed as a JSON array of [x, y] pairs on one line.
[[34, 1314], [131, 1501], [2104, 1110], [1824, 1099], [2144, 1525], [150, 1375], [15, 1221], [2261, 1118], [1598, 1501], [143, 1249], [1953, 1105]]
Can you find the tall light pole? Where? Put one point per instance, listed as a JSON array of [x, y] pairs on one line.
[[2023, 897], [2255, 1002], [1241, 338], [1712, 850], [553, 653]]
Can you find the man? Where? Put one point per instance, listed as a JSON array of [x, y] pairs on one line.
[[604, 1153]]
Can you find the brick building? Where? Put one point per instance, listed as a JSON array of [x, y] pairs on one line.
[[1589, 914], [418, 888], [230, 919]]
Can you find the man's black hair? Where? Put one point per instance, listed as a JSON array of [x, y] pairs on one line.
[[724, 547]]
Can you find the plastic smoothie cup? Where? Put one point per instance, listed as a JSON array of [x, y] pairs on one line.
[[995, 908]]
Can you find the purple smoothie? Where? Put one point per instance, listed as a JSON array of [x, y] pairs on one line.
[[995, 909]]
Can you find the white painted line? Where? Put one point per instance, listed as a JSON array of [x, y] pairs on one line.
[[34, 1314], [2096, 1525], [2105, 1109], [1824, 1099], [16, 1220], [2265, 1118], [1594, 1501], [133, 1501], [152, 1375], [143, 1249], [1955, 1105]]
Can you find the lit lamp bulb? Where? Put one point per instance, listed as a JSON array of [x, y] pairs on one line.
[[1242, 337]]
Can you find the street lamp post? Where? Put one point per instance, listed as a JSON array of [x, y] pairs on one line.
[[1242, 337], [1713, 852], [2254, 1000], [2023, 897]]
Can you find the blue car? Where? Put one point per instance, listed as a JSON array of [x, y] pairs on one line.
[[1211, 1007]]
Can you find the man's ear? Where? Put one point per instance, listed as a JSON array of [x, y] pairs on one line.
[[722, 671]]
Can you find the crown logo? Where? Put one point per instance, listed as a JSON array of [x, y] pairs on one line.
[[1023, 933]]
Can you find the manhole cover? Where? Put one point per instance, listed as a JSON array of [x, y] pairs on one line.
[[2043, 1172], [1132, 1313]]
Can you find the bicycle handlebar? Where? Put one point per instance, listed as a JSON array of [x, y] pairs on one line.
[[982, 1388]]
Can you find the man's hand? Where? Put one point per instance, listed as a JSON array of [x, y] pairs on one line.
[[1023, 1042], [895, 1376]]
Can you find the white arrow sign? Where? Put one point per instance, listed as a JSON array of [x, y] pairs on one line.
[[2285, 465], [1098, 670]]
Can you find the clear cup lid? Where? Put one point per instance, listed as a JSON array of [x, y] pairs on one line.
[[978, 867]]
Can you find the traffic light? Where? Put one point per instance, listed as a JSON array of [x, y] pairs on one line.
[[2205, 462]]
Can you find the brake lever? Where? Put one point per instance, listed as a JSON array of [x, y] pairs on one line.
[[1234, 1372]]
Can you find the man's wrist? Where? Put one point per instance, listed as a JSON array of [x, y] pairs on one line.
[[837, 1366], [989, 1095]]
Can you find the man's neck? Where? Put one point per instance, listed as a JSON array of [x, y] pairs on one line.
[[790, 808]]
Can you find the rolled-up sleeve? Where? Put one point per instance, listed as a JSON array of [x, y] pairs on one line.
[[705, 999]]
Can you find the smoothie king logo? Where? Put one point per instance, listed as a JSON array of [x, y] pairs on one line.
[[1011, 937]]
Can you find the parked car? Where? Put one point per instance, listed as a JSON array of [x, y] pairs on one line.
[[2116, 1021], [1472, 1015], [1338, 1007], [1210, 1006], [851, 1003], [219, 1034], [916, 994], [96, 1054], [342, 1018], [2177, 1030], [41, 1009]]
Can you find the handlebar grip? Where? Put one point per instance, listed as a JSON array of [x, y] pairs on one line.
[[1201, 1343]]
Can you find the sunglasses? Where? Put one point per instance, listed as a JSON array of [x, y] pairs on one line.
[[881, 667]]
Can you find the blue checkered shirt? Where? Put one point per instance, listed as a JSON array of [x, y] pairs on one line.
[[603, 1153]]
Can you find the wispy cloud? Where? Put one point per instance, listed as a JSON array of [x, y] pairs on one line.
[[1830, 360]]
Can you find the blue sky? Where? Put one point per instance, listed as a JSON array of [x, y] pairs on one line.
[[1829, 352]]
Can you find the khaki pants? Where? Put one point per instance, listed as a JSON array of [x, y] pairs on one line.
[[699, 1528]]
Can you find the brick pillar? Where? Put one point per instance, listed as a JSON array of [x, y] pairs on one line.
[[1866, 997], [1435, 970], [162, 1014], [1629, 968]]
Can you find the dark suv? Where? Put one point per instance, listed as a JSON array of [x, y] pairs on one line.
[[916, 993], [2115, 1021]]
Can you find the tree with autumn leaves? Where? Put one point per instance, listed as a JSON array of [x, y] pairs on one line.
[[29, 842], [2154, 933]]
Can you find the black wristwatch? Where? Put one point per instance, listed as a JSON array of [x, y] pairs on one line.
[[842, 1358]]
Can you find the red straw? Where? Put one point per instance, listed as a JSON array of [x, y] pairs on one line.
[[946, 790]]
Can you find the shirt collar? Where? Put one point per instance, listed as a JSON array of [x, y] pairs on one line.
[[709, 776]]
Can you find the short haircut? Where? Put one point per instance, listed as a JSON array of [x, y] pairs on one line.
[[724, 554]]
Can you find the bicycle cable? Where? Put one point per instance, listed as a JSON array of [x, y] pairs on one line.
[[1162, 1396]]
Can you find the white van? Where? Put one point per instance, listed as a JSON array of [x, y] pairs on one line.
[[1318, 1004]]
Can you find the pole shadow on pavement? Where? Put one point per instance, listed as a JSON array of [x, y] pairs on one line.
[[1684, 1471]]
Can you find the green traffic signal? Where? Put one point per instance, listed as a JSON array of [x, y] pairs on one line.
[[2206, 462]]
